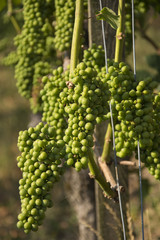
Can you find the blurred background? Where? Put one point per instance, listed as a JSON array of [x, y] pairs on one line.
[[15, 115]]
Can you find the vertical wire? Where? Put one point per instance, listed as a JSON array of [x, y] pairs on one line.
[[117, 177], [133, 41], [104, 39], [141, 194], [112, 123], [138, 146]]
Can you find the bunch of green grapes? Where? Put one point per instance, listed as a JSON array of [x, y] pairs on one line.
[[31, 43], [121, 81], [136, 119], [74, 103], [41, 165], [88, 103], [151, 155], [65, 14], [11, 59], [132, 109]]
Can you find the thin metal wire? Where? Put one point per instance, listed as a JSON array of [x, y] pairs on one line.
[[141, 194], [117, 177], [133, 41], [112, 123], [138, 146], [104, 39]]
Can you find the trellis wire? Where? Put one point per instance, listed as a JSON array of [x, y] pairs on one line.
[[117, 177], [112, 124], [104, 39], [138, 146]]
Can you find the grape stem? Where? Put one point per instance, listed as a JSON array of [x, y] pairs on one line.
[[95, 173], [107, 173], [89, 23], [127, 163], [120, 32], [107, 146], [12, 18], [77, 35]]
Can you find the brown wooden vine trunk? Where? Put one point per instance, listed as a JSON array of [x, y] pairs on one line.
[[98, 217]]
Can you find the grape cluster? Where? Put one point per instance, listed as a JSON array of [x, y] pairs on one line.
[[31, 43], [65, 14], [41, 164], [87, 105], [132, 104], [151, 155], [74, 103], [121, 81], [134, 115]]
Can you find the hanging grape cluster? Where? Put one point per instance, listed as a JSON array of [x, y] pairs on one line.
[[151, 155], [41, 165], [133, 113], [31, 44], [76, 104]]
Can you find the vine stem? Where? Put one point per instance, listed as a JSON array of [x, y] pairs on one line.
[[107, 143], [12, 18], [118, 57], [120, 32], [75, 50], [95, 173], [77, 35]]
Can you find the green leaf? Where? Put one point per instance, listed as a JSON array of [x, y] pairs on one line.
[[109, 16], [3, 4], [16, 2]]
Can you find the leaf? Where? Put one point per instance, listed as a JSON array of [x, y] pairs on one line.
[[16, 2], [3, 4], [109, 16]]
